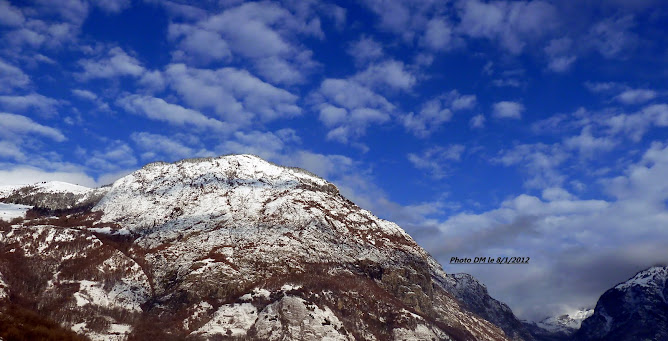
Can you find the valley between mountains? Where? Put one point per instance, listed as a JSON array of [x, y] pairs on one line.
[[238, 248]]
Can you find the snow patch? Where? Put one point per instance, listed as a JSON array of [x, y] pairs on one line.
[[230, 319], [11, 211]]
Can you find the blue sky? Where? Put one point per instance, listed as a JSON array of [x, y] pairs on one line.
[[483, 128]]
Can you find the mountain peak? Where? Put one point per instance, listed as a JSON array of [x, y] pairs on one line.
[[654, 277], [633, 310]]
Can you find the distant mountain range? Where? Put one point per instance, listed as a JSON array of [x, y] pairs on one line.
[[236, 247]]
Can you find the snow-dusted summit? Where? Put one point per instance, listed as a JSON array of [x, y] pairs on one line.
[[568, 323]]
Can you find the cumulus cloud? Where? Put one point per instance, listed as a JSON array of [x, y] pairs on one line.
[[195, 42], [435, 112], [540, 161], [437, 160], [611, 37], [438, 35], [233, 94], [512, 24], [365, 50], [116, 63], [9, 150], [348, 108], [36, 103], [508, 109], [11, 124], [116, 155], [578, 247], [431, 117], [587, 144], [636, 96], [390, 74], [560, 56], [12, 77], [155, 146], [10, 15], [73, 11], [406, 19], [261, 33], [160, 110], [477, 121], [112, 6]]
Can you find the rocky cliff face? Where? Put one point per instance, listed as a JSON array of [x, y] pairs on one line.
[[634, 310], [229, 247], [474, 297]]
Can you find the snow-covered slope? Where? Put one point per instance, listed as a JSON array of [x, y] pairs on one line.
[[53, 195], [568, 323], [237, 246], [11, 211], [633, 310]]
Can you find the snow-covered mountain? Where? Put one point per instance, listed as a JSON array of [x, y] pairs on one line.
[[566, 323], [226, 247], [53, 195], [633, 310], [558, 328]]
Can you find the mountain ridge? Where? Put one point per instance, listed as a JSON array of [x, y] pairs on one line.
[[192, 245]]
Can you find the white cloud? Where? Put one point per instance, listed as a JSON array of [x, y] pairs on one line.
[[587, 145], [116, 63], [435, 112], [85, 94], [429, 119], [512, 24], [198, 43], [556, 194], [438, 35], [351, 95], [598, 87], [263, 33], [332, 116], [12, 77], [37, 103], [158, 109], [153, 81], [24, 175], [74, 11], [540, 161], [10, 15], [365, 50], [235, 95], [477, 121], [407, 19], [612, 36], [507, 109], [155, 146], [561, 64], [10, 150], [636, 96], [112, 6], [348, 108], [437, 160], [117, 155], [11, 124], [388, 74], [570, 240], [559, 54], [458, 101]]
